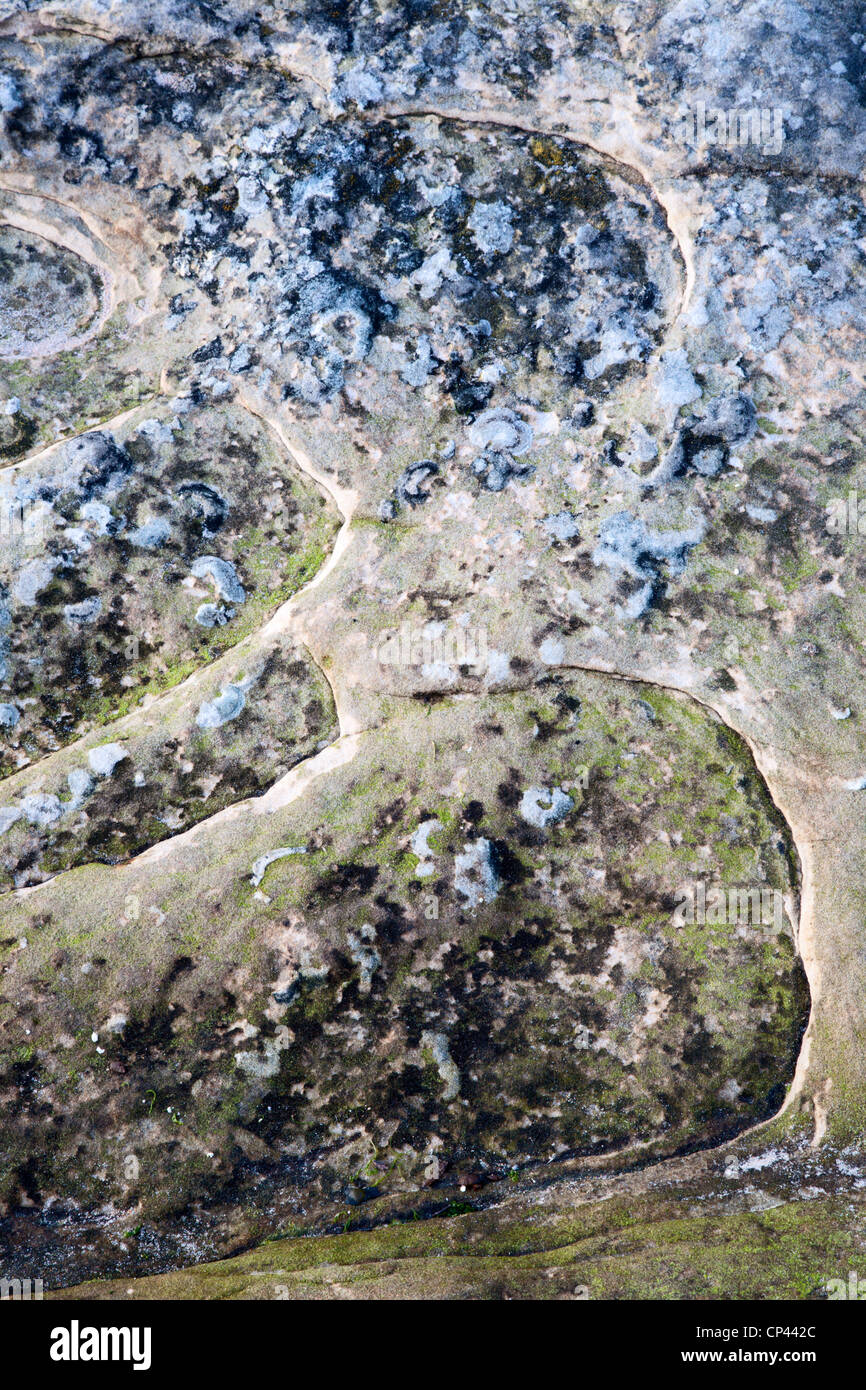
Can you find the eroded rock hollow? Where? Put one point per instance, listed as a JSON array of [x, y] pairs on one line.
[[431, 679]]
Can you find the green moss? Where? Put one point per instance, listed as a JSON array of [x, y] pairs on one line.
[[644, 1248]]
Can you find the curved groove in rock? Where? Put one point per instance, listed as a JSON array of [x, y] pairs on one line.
[[119, 283], [106, 295], [108, 424], [804, 927], [288, 787], [804, 935], [29, 26], [677, 218], [282, 793], [297, 781]]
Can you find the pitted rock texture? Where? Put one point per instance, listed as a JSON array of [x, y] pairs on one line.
[[370, 375], [46, 293], [146, 553], [419, 967], [258, 713]]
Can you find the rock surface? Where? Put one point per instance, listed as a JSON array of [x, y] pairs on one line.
[[431, 621]]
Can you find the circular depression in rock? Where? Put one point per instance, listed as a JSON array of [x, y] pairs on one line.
[[49, 297], [584, 946]]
